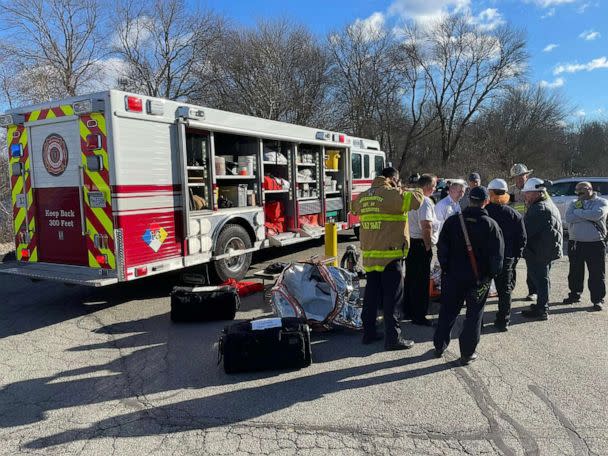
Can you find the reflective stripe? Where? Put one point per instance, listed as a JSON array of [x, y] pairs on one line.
[[407, 202], [374, 268], [384, 253], [383, 218]]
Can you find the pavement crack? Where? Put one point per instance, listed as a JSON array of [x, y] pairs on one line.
[[581, 448]]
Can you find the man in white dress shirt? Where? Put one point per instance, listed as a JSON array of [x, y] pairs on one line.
[[450, 205], [423, 235]]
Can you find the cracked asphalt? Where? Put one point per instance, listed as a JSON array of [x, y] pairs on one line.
[[104, 371]]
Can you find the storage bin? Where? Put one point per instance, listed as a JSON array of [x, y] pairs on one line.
[[333, 159], [246, 162], [237, 194], [220, 166]]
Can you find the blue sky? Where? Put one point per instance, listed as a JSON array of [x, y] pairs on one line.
[[567, 39]]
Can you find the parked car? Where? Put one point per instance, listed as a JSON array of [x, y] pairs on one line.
[[562, 191]]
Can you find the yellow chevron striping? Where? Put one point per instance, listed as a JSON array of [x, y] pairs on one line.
[[92, 261], [17, 189], [68, 110], [19, 220], [100, 184], [104, 220], [34, 116], [34, 255], [101, 122]]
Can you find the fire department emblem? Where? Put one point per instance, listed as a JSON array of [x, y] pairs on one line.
[[155, 236], [55, 154]]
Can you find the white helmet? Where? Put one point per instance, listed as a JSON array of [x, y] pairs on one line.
[[534, 185], [519, 169], [498, 184]]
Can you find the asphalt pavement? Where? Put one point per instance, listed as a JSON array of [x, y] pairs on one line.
[[105, 371]]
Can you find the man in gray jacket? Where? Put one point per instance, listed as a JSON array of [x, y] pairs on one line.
[[545, 243], [586, 218]]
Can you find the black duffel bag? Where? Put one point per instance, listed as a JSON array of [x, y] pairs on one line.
[[265, 344], [204, 303]]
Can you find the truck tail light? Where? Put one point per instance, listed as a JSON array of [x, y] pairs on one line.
[[141, 271], [102, 259], [25, 254], [134, 104]]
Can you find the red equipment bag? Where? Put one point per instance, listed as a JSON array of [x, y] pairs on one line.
[[270, 183], [274, 211]]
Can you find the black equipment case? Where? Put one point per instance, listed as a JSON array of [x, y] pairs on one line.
[[279, 343], [204, 303]]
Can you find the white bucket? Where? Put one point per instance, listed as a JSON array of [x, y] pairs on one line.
[[246, 161]]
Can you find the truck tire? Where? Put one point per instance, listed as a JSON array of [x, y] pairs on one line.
[[232, 237], [357, 231]]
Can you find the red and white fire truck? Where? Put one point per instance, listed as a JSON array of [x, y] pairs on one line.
[[113, 186]]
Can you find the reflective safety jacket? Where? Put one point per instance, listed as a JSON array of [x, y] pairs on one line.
[[517, 202], [384, 232]]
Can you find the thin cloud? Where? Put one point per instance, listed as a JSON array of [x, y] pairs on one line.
[[590, 35], [488, 19], [427, 11], [580, 113], [550, 47], [370, 27], [549, 13], [550, 3], [581, 9], [559, 82], [595, 64]]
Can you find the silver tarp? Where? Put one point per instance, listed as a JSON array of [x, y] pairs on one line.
[[325, 296]]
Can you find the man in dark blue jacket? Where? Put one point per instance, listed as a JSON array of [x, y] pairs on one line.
[[467, 274], [513, 230]]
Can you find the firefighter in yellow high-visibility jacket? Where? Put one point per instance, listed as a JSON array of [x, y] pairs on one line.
[[385, 239]]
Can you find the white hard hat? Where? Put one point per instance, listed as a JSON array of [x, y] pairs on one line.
[[534, 185], [519, 169], [458, 182], [498, 184]]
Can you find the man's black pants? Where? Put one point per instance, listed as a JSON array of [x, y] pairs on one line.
[[454, 293], [417, 280], [504, 285], [384, 290], [592, 254], [529, 282]]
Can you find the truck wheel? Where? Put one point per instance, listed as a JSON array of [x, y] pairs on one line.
[[356, 230], [232, 237]]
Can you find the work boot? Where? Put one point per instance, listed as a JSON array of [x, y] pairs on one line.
[[571, 299], [598, 305], [465, 360], [501, 325], [401, 344], [535, 314]]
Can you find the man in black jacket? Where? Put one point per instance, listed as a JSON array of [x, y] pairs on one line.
[[545, 243], [467, 275], [513, 230]]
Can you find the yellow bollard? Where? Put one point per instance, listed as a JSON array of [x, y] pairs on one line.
[[331, 242]]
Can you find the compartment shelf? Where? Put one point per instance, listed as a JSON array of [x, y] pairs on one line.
[[274, 163], [333, 192], [312, 165], [328, 170], [276, 191], [308, 198], [306, 182], [225, 177]]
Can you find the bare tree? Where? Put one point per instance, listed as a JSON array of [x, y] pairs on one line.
[[163, 45], [56, 42], [276, 70], [365, 76], [465, 67]]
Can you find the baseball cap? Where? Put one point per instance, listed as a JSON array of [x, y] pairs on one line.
[[479, 193], [474, 177]]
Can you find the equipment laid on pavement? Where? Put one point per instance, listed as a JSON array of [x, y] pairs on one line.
[[265, 344], [204, 303], [323, 295]]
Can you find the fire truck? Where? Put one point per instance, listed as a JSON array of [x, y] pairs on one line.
[[114, 186]]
